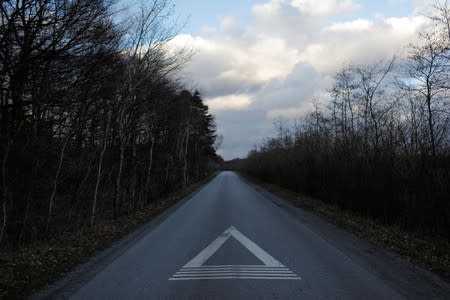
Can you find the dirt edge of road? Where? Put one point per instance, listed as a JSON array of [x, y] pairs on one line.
[[430, 253], [27, 270]]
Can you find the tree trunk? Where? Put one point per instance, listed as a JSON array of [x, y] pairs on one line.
[[79, 188], [4, 191], [169, 159], [26, 217], [119, 176], [55, 182], [99, 172], [134, 176], [149, 170], [431, 127], [185, 169]]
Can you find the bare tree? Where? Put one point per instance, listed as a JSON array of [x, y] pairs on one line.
[[442, 16], [428, 70], [93, 118], [100, 167], [371, 79], [344, 100]]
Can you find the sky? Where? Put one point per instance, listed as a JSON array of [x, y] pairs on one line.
[[257, 61]]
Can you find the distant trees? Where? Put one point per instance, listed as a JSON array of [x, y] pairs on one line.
[[93, 122], [359, 104], [382, 146], [442, 17]]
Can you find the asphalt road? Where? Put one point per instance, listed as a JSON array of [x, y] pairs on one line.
[[233, 240]]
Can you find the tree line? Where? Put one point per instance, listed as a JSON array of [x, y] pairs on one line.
[[381, 147], [94, 122]]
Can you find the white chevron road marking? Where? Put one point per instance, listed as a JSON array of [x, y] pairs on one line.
[[196, 270]]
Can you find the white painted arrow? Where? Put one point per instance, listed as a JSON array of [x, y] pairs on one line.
[[272, 268]]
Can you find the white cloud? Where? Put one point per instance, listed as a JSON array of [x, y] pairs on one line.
[[355, 25], [282, 59], [224, 66], [361, 41], [229, 102], [291, 113], [326, 7]]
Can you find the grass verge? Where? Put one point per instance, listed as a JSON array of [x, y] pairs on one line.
[[32, 267], [431, 253]]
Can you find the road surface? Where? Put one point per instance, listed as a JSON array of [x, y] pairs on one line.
[[233, 240]]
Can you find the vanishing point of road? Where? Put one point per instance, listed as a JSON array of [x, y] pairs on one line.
[[233, 240]]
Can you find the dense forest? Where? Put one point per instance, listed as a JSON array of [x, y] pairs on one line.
[[381, 147], [94, 122]]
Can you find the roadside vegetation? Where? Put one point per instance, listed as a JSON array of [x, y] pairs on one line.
[[95, 128], [35, 265], [381, 147], [432, 253], [94, 123]]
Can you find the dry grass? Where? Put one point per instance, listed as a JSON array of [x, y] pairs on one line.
[[430, 253]]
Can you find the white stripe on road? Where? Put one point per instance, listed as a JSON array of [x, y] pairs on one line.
[[237, 277], [235, 267], [272, 268], [212, 248], [234, 274], [233, 271], [263, 256]]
